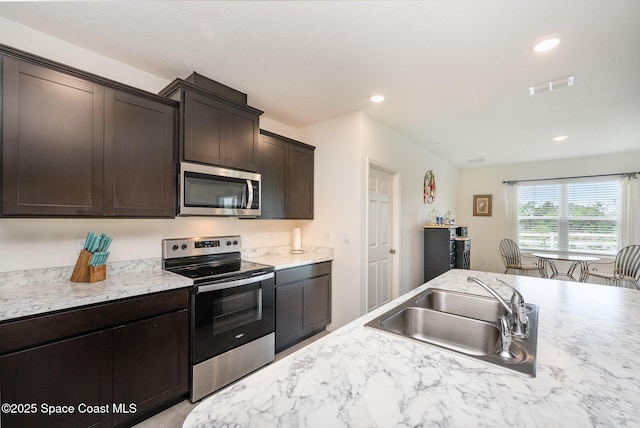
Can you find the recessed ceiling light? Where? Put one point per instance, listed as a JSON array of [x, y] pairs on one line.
[[377, 98], [546, 44], [560, 138]]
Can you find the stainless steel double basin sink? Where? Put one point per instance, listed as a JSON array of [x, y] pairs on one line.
[[463, 323]]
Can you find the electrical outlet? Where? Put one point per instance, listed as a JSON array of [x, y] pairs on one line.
[[347, 238], [79, 244]]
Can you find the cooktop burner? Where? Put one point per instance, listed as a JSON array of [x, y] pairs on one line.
[[216, 269]]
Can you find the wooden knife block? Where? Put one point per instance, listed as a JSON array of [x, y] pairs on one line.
[[85, 273]]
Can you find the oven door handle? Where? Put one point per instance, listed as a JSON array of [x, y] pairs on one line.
[[236, 283]]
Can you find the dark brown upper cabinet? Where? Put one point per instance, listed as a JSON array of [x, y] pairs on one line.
[[75, 144], [286, 167], [217, 126], [139, 156], [52, 142]]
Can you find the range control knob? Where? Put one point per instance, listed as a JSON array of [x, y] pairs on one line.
[[235, 242], [228, 243], [175, 247], [184, 246]]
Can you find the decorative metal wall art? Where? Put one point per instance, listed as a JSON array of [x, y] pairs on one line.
[[429, 187]]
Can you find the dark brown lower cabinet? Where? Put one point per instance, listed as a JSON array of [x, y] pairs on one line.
[[149, 363], [48, 386], [303, 303], [135, 365]]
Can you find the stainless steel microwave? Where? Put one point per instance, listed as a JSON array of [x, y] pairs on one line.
[[213, 191]]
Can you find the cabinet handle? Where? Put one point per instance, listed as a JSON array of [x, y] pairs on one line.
[[392, 251]]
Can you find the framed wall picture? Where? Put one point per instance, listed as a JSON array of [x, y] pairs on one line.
[[482, 205]]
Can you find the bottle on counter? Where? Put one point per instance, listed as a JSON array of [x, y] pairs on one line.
[[447, 217], [434, 217]]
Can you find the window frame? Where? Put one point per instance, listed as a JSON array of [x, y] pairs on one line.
[[563, 219]]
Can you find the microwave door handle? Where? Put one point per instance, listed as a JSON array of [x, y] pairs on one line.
[[250, 193]]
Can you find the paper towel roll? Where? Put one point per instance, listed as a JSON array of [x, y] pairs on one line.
[[296, 246]]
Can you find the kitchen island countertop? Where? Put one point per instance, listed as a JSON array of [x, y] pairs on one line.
[[587, 371]]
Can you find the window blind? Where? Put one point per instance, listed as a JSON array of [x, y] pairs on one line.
[[577, 216]]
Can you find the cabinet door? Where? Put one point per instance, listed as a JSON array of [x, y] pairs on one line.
[[74, 372], [289, 314], [438, 256], [203, 133], [139, 156], [52, 142], [273, 166], [150, 363], [242, 139], [300, 183], [317, 303]]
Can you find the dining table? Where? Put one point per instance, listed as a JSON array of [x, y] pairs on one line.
[[577, 261]]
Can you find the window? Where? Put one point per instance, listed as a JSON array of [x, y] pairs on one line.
[[569, 216]]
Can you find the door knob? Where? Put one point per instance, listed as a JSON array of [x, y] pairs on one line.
[[392, 251]]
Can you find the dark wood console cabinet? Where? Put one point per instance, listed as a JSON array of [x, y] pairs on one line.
[[444, 250], [303, 303], [75, 144], [287, 172], [116, 363], [217, 128]]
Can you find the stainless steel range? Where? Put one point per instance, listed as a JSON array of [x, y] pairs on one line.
[[232, 309]]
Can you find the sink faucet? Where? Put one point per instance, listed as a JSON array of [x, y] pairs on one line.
[[516, 309]]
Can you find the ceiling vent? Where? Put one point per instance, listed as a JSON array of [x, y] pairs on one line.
[[563, 82], [476, 160]]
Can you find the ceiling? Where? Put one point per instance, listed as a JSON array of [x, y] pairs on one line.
[[455, 74]]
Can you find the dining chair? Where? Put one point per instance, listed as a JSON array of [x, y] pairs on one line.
[[626, 268], [512, 258]]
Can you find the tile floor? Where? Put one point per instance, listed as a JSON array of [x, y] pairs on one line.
[[174, 416]]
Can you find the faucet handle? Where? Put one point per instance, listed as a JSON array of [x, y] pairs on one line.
[[505, 338], [519, 312], [520, 322]]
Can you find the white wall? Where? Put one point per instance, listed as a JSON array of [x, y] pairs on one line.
[[337, 208], [35, 42], [488, 231], [345, 145]]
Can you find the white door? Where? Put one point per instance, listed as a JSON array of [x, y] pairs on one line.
[[380, 239]]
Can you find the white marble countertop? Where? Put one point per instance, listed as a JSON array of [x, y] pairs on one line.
[[281, 257], [588, 366], [39, 291]]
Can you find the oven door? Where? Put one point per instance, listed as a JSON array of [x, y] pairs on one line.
[[207, 190], [231, 313]]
